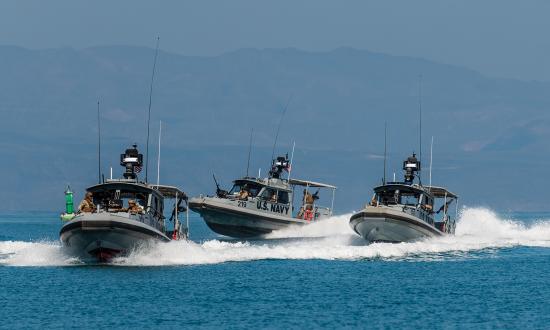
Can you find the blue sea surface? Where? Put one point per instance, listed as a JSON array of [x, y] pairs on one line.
[[493, 274]]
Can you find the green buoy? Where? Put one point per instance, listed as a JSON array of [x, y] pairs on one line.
[[69, 205]]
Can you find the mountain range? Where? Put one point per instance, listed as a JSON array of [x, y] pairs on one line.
[[490, 134]]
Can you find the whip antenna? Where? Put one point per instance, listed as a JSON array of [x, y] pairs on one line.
[[420, 123], [98, 145], [279, 127], [431, 160], [291, 161], [385, 147], [158, 156], [249, 151], [149, 115]]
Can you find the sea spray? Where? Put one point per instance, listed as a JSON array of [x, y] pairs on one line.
[[479, 230], [44, 253]]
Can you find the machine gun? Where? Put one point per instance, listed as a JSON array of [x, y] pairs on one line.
[[179, 207], [219, 192], [316, 195]]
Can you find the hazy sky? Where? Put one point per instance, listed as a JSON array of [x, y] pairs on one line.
[[497, 37]]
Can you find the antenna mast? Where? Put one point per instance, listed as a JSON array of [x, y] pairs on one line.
[[431, 159], [149, 115], [291, 160], [385, 154], [249, 151], [158, 156], [98, 145], [279, 127], [420, 123]]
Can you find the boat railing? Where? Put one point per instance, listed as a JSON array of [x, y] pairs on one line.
[[150, 220], [419, 213], [147, 218], [321, 211]]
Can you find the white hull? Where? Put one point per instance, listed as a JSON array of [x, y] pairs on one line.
[[102, 236], [239, 222], [382, 224]]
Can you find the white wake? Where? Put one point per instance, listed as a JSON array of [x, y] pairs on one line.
[[478, 229]]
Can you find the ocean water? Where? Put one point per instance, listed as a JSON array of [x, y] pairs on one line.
[[493, 274]]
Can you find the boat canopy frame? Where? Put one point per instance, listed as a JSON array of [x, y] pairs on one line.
[[440, 192], [168, 192], [313, 184]]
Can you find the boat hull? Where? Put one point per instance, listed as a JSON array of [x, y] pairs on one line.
[[376, 224], [239, 223], [101, 237]]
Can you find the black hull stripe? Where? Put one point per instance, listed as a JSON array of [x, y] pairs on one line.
[[419, 223], [237, 231], [107, 224]]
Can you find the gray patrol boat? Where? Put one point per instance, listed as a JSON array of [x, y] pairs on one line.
[[111, 229], [405, 211], [258, 206]]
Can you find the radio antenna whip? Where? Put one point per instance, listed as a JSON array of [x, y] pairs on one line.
[[385, 154], [249, 151], [431, 160], [291, 161], [158, 156], [149, 112], [279, 127], [420, 123], [98, 145]]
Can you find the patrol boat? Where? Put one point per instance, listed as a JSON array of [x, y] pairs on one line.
[[258, 206], [404, 211], [111, 229]]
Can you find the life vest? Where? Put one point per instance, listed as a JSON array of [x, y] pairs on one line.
[[308, 215]]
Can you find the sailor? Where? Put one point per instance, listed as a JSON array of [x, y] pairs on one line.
[[307, 205], [427, 207], [273, 198], [87, 205], [243, 194], [134, 208], [374, 201], [396, 197]]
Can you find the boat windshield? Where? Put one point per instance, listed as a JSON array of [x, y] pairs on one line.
[[252, 189], [275, 196], [393, 197], [119, 200]]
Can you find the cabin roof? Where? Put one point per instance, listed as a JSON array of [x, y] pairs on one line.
[[436, 192], [129, 186], [400, 186], [313, 184], [168, 191], [250, 180], [440, 192], [269, 183]]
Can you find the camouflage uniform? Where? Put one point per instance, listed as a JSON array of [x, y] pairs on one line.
[[87, 204], [134, 208], [308, 204]]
